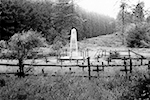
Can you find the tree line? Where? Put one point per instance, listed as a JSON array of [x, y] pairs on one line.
[[134, 24], [53, 19]]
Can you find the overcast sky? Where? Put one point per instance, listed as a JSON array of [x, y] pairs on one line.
[[108, 7]]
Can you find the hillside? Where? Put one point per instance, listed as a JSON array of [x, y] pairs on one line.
[[110, 40]]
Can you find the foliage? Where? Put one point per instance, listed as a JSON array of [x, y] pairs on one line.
[[67, 87], [114, 54], [138, 12], [131, 15], [41, 16], [96, 24], [2, 44], [51, 19], [17, 16], [127, 20], [61, 40], [21, 44], [139, 36]]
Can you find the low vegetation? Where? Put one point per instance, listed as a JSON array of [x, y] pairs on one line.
[[67, 87], [139, 36]]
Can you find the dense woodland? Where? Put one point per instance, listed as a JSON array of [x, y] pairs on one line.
[[51, 19], [54, 20]]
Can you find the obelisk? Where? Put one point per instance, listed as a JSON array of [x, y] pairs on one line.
[[73, 44]]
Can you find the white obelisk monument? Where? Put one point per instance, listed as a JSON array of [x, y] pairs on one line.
[[73, 44]]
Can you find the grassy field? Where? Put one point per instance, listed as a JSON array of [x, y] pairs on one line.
[[68, 87]]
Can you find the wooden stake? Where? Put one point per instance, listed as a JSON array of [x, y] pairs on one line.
[[125, 65], [103, 66], [130, 65], [141, 61], [89, 69], [61, 63], [149, 65], [130, 61], [97, 70]]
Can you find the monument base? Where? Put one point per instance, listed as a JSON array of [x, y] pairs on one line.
[[72, 57]]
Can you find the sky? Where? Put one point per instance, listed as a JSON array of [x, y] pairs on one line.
[[107, 7]]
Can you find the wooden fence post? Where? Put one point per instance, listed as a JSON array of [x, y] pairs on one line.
[[130, 65], [66, 52], [108, 60], [125, 65], [57, 58], [103, 66], [61, 63], [149, 65], [89, 69], [77, 61], [129, 53], [97, 70], [141, 61], [130, 61]]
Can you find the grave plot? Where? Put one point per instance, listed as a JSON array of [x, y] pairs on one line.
[[101, 63]]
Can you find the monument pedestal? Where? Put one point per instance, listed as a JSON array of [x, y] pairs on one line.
[[74, 54]]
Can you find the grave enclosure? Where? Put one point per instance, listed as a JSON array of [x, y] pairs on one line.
[[91, 67], [97, 63]]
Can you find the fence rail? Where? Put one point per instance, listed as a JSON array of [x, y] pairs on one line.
[[127, 67]]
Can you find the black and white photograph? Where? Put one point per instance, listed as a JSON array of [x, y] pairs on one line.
[[74, 49]]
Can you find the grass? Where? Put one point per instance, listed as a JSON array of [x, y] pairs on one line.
[[67, 87], [111, 40]]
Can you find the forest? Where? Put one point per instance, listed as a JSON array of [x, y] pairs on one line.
[[54, 20], [51, 19]]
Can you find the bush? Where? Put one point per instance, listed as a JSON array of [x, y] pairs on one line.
[[114, 54], [22, 45], [2, 44], [138, 36]]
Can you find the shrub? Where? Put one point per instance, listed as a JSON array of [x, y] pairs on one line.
[[114, 54], [2, 44], [138, 36], [22, 44]]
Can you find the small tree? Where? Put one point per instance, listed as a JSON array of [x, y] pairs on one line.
[[22, 44], [138, 36]]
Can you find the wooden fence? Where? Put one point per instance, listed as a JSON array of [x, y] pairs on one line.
[[100, 67]]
